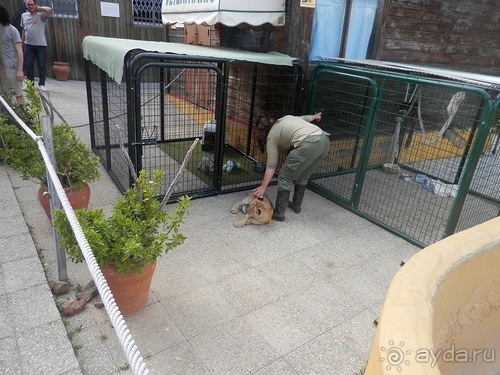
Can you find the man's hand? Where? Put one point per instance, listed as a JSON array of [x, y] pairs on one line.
[[258, 192], [316, 116]]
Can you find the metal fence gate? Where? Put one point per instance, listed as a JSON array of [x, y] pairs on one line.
[[414, 151], [169, 100]]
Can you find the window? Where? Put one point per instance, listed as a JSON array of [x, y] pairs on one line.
[[147, 12], [343, 28], [250, 39], [62, 8]]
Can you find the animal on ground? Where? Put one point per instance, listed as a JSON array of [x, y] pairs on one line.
[[257, 211], [206, 165]]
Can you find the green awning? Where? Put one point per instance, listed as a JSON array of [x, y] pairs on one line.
[[109, 53]]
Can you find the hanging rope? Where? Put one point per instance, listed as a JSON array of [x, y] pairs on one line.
[[125, 337]]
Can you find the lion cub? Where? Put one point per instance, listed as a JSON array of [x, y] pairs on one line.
[[258, 211]]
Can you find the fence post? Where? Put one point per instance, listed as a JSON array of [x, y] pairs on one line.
[[46, 125]]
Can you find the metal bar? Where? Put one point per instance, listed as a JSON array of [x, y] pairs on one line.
[[378, 92], [90, 103], [470, 167], [220, 109], [252, 107], [55, 203], [162, 104], [105, 117], [345, 28]]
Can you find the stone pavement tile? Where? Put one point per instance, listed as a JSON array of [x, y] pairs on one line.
[[10, 362], [252, 245], [92, 351], [86, 318], [6, 325], [233, 348], [328, 258], [13, 248], [103, 197], [14, 226], [363, 290], [284, 325], [359, 331], [45, 350], [32, 307], [289, 274], [115, 351], [325, 355], [278, 367], [180, 359], [9, 205], [27, 194], [290, 234], [199, 310], [374, 241], [153, 330], [23, 274], [176, 273], [327, 303], [217, 263], [3, 291], [249, 290], [324, 229]]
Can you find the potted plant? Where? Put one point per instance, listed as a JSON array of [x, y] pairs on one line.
[[75, 163], [127, 244]]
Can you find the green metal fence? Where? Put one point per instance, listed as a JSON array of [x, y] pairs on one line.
[[413, 150]]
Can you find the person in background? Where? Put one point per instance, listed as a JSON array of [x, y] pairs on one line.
[[308, 145], [12, 57], [35, 44]]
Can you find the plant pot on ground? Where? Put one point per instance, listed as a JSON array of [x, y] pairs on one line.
[[61, 70], [75, 163], [127, 244]]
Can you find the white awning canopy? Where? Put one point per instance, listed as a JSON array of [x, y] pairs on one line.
[[227, 12]]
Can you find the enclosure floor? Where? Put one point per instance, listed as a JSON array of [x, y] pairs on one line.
[[404, 205]]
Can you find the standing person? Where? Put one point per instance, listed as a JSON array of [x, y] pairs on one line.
[[35, 43], [309, 145], [12, 57]]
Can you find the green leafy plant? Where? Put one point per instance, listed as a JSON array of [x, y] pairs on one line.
[[137, 232], [75, 163]]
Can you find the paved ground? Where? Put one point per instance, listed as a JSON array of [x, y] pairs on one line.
[[298, 297]]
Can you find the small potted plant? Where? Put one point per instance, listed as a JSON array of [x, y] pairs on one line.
[[127, 244], [75, 163]]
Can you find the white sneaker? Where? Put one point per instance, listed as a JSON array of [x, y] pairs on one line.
[[42, 88]]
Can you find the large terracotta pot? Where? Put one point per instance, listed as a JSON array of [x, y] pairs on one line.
[[61, 70], [131, 290], [78, 198]]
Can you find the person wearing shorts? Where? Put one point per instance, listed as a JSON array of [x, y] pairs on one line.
[[12, 58]]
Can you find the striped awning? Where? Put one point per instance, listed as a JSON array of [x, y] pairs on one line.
[[226, 12]]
